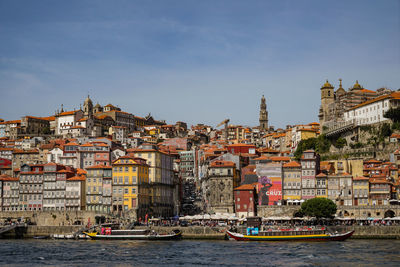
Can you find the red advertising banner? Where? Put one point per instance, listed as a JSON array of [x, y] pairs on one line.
[[269, 190], [269, 183]]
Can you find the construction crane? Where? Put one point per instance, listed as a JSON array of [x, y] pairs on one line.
[[226, 128]]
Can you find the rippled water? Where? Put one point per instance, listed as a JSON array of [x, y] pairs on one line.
[[194, 253]]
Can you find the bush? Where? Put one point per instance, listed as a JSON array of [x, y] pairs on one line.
[[385, 130], [340, 142], [396, 126], [393, 114]]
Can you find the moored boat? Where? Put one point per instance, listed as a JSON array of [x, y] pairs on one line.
[[135, 235], [291, 235]]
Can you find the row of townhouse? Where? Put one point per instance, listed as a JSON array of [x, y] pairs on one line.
[[129, 183], [269, 182]]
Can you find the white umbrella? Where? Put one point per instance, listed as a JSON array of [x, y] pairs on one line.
[[214, 217], [206, 216], [197, 217]]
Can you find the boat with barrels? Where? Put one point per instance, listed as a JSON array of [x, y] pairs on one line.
[[291, 234], [134, 234], [256, 232]]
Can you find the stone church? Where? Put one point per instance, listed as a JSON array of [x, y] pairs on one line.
[[335, 103]]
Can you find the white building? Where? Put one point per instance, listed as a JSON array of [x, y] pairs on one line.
[[67, 120], [372, 111], [55, 155]]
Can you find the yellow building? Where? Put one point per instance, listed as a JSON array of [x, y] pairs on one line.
[[322, 185], [160, 176], [361, 191], [130, 185], [352, 166], [291, 185]]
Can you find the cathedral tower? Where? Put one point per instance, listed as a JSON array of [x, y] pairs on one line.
[[327, 97], [88, 107], [263, 114]]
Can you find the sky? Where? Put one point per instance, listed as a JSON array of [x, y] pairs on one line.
[[193, 61]]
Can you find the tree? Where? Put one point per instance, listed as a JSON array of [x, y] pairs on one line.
[[304, 145], [340, 142], [393, 114], [385, 130], [319, 207]]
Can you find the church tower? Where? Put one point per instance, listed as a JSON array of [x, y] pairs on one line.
[[327, 97], [263, 114], [88, 108]]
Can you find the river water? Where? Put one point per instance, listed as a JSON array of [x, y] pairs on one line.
[[30, 252]]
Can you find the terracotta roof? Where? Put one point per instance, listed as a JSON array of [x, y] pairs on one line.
[[87, 145], [246, 187], [372, 161], [292, 164], [11, 122], [77, 178], [394, 95], [279, 158], [80, 171], [67, 113], [321, 175], [222, 163], [262, 158], [72, 144], [234, 145], [5, 177]]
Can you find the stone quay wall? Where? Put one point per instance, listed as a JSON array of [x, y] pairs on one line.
[[52, 218], [215, 233], [342, 211]]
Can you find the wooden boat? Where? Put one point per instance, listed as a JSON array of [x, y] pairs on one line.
[[135, 235], [290, 235]]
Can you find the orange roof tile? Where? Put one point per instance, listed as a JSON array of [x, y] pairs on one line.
[[279, 158], [293, 164], [246, 187], [394, 95], [77, 178], [222, 163], [67, 113]]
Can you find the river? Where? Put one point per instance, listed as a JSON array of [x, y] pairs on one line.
[[353, 252]]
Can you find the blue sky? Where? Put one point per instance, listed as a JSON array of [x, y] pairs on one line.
[[194, 61]]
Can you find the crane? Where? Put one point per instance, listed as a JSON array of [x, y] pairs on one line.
[[226, 128]]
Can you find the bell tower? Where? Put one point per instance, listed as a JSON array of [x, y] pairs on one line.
[[263, 114], [327, 97], [88, 108]]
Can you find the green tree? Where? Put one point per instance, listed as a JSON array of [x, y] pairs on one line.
[[393, 114], [319, 208], [304, 145], [385, 130], [340, 142], [322, 144]]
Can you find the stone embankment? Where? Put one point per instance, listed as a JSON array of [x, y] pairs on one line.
[[217, 233], [371, 232]]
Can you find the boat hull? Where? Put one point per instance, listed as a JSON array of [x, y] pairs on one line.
[[321, 237], [174, 236]]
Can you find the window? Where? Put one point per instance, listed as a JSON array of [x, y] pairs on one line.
[[126, 191], [133, 190]]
